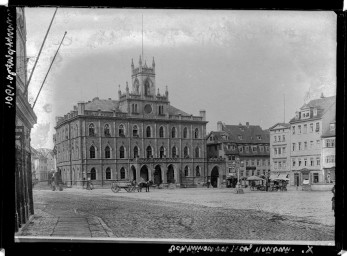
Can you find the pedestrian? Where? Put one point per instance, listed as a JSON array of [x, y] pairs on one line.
[[208, 183], [333, 199], [297, 185], [53, 183]]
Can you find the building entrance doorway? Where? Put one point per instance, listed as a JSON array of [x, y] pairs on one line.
[[157, 175], [133, 173], [144, 173], [170, 174], [214, 177], [296, 179]]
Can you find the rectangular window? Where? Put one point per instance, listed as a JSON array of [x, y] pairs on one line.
[[293, 148], [241, 173], [299, 146], [247, 172], [293, 129], [229, 157], [305, 162], [252, 163], [305, 145], [283, 137], [283, 150], [305, 128], [232, 157], [279, 164], [332, 127], [258, 172], [311, 161], [254, 149], [317, 127], [318, 161], [318, 143], [275, 151], [299, 162], [279, 138], [299, 129], [311, 127], [279, 151], [247, 163], [293, 162], [311, 144], [241, 149], [247, 149], [258, 163]]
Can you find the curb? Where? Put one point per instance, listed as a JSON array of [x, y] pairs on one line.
[[20, 230]]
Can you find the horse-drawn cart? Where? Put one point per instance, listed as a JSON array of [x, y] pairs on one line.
[[128, 186]]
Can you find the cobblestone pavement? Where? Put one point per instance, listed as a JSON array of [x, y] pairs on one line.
[[191, 213]]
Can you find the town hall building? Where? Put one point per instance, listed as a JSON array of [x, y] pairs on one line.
[[139, 136]]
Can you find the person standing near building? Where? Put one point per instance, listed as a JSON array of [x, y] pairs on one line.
[[53, 183]]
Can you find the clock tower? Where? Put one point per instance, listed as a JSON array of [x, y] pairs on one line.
[[143, 98]]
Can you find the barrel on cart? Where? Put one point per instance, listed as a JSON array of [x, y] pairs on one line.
[[128, 186]]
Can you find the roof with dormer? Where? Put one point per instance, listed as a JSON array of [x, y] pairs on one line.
[[249, 134], [103, 105], [328, 132], [321, 104]]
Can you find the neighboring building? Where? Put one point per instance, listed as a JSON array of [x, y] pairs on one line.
[[328, 152], [25, 119], [233, 147], [139, 136], [35, 160], [306, 139], [280, 150], [43, 163]]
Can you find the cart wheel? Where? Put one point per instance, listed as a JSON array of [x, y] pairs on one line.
[[115, 188]]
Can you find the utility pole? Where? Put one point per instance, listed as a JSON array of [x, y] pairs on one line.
[[38, 56], [49, 69]]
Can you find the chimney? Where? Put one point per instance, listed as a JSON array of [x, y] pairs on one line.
[[219, 126], [203, 114], [80, 108]]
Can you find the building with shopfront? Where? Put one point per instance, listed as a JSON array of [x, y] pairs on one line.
[[307, 128], [328, 153], [237, 150], [24, 120], [280, 151], [140, 136]]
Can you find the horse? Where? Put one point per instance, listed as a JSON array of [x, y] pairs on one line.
[[144, 184]]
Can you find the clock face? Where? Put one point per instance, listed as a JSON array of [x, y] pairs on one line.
[[148, 108]]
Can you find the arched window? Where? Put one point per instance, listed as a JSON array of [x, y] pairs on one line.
[[121, 152], [108, 173], [185, 132], [196, 133], [147, 88], [174, 152], [186, 171], [197, 171], [135, 131], [149, 151], [148, 132], [186, 152], [91, 130], [122, 173], [93, 174], [136, 152], [162, 152], [92, 152], [107, 130], [161, 132], [173, 132], [197, 152], [107, 152], [121, 130]]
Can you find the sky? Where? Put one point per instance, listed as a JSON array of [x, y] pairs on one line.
[[239, 66]]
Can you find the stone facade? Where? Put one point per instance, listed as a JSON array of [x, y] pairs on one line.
[[306, 140], [280, 150], [24, 120], [235, 150], [328, 153], [140, 136]]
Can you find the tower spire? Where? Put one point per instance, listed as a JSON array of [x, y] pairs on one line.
[[142, 35]]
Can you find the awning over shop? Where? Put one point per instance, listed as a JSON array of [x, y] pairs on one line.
[[273, 176], [283, 176]]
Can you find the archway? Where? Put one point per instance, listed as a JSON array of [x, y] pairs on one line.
[[133, 173], [144, 173], [170, 174], [157, 175], [214, 177]]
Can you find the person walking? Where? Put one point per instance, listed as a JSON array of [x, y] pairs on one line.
[[53, 183], [208, 183]]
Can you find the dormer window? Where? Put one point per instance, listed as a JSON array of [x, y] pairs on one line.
[[332, 127], [315, 112], [258, 137]]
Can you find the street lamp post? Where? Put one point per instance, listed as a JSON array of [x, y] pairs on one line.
[[238, 190]]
